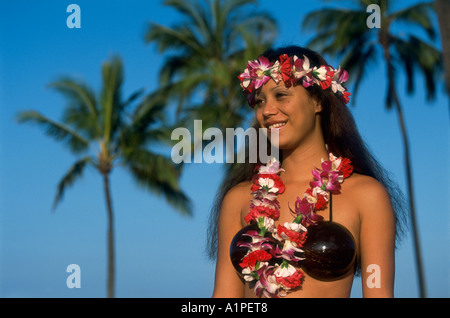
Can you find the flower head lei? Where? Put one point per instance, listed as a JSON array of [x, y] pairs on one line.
[[274, 253], [292, 71]]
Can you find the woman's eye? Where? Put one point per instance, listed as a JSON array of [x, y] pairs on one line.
[[259, 102]]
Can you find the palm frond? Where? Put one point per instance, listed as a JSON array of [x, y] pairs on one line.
[[195, 14], [78, 92], [178, 37], [391, 90], [172, 65], [228, 7], [134, 96], [58, 131], [358, 60], [418, 54], [81, 110], [147, 124], [337, 29], [418, 14], [227, 15], [149, 111], [74, 173], [159, 175], [110, 100], [257, 31]]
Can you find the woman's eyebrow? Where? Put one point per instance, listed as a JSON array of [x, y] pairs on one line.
[[276, 88], [259, 94]]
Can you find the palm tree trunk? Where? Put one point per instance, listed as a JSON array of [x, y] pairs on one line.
[[443, 12], [110, 235], [409, 179], [418, 254]]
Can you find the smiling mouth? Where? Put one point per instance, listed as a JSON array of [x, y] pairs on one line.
[[277, 125]]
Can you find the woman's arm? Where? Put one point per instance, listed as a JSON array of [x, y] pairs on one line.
[[377, 241], [227, 282]]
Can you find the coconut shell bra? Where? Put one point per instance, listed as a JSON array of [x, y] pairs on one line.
[[272, 259]]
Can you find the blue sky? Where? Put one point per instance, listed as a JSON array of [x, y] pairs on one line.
[[159, 252]]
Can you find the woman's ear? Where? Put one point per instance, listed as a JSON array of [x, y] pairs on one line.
[[318, 106]]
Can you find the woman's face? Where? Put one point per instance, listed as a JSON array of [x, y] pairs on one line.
[[289, 111]]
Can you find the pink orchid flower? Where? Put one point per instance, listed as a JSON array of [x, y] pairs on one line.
[[258, 242], [267, 284], [301, 67], [305, 209], [340, 76], [327, 179], [259, 71], [288, 252]]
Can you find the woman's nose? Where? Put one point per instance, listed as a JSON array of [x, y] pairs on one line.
[[269, 108]]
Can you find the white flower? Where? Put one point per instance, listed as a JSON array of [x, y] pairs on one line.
[[321, 73], [300, 67], [297, 227], [290, 247], [335, 162], [247, 274], [266, 199], [272, 166], [247, 80], [268, 183], [275, 72], [339, 77], [268, 223], [284, 271], [316, 191]]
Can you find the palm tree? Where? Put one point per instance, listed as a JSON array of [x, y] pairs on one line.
[[104, 132], [208, 51], [345, 34]]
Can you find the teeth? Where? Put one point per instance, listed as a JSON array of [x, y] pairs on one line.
[[277, 125]]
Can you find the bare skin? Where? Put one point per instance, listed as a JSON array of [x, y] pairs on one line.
[[363, 206]]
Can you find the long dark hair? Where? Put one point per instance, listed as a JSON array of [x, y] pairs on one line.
[[340, 134]]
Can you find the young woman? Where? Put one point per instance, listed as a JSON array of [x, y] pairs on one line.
[[302, 225]]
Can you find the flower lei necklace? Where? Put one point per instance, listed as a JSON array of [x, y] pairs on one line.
[[292, 71], [282, 245]]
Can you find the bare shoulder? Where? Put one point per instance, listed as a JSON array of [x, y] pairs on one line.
[[238, 193], [227, 283], [242, 188], [236, 200], [368, 194], [376, 233], [370, 186]]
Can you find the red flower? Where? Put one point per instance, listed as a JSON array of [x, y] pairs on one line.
[[345, 167], [293, 281], [286, 68], [346, 97], [326, 83], [321, 201], [295, 237], [329, 76], [260, 210], [256, 256], [260, 182]]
